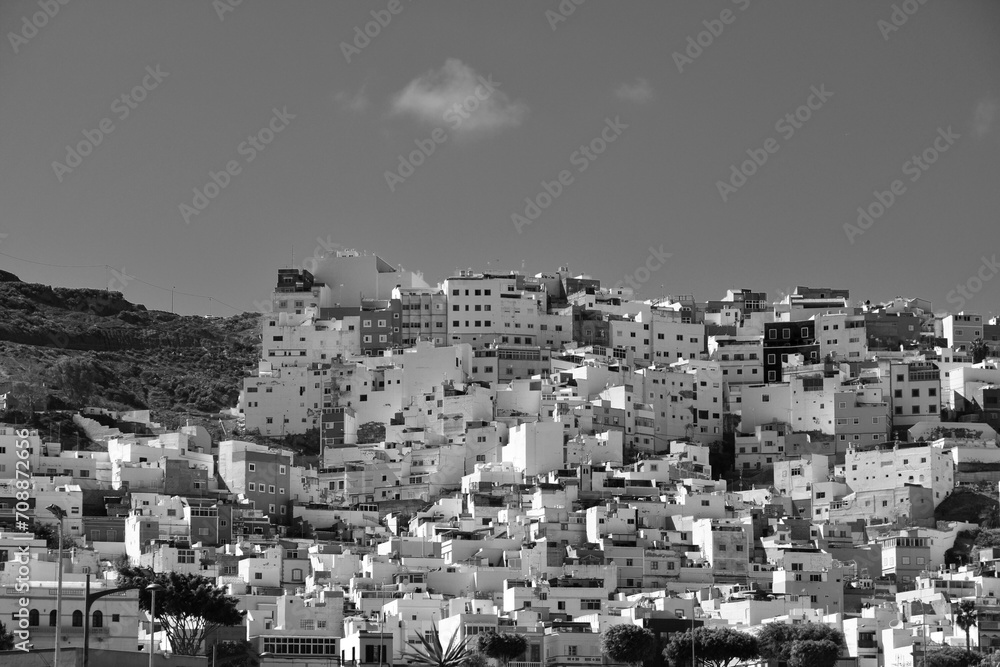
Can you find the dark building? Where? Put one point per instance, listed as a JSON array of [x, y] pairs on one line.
[[785, 338], [294, 280], [887, 331], [590, 327], [380, 325], [335, 424]]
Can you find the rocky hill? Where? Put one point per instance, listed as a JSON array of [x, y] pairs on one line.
[[65, 348]]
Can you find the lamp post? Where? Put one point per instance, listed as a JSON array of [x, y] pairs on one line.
[[60, 514], [152, 588], [693, 662]]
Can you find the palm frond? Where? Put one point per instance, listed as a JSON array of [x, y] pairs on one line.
[[433, 654]]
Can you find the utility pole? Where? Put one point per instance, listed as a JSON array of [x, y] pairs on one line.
[[693, 660], [923, 642], [381, 639]]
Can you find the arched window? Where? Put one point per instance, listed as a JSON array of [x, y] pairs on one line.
[[77, 619], [33, 617], [98, 620], [52, 618]]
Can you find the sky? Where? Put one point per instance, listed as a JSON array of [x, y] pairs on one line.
[[689, 147]]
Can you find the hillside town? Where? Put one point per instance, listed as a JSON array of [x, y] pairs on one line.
[[543, 456]]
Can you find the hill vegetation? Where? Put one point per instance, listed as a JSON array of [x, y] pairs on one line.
[[64, 348]]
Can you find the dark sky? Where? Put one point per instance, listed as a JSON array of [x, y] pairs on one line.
[[516, 94]]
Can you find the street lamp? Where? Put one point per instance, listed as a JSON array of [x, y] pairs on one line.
[[152, 588], [60, 514], [693, 660]]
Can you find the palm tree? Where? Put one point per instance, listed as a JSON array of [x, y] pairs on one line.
[[966, 617], [433, 654], [989, 517], [980, 350]]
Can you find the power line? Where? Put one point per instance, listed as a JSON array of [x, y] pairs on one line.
[[129, 278], [60, 266]]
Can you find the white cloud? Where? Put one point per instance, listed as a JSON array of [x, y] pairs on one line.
[[356, 102], [458, 97], [639, 91], [985, 114]]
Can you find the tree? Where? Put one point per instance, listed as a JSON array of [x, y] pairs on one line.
[[234, 654], [965, 617], [501, 646], [950, 656], [7, 638], [50, 534], [433, 654], [776, 641], [989, 517], [813, 653], [628, 643], [980, 350], [30, 390], [189, 607], [474, 658], [713, 647], [75, 376], [371, 432]]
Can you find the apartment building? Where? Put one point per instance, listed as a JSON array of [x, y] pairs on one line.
[[260, 474], [961, 331], [785, 339], [298, 291], [915, 395], [842, 336], [423, 315], [891, 466]]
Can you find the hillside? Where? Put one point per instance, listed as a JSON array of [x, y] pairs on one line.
[[63, 347]]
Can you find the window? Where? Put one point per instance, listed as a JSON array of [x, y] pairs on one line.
[[97, 620], [77, 619], [258, 575], [590, 604], [33, 617], [571, 651], [52, 618], [185, 556], [252, 467]]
